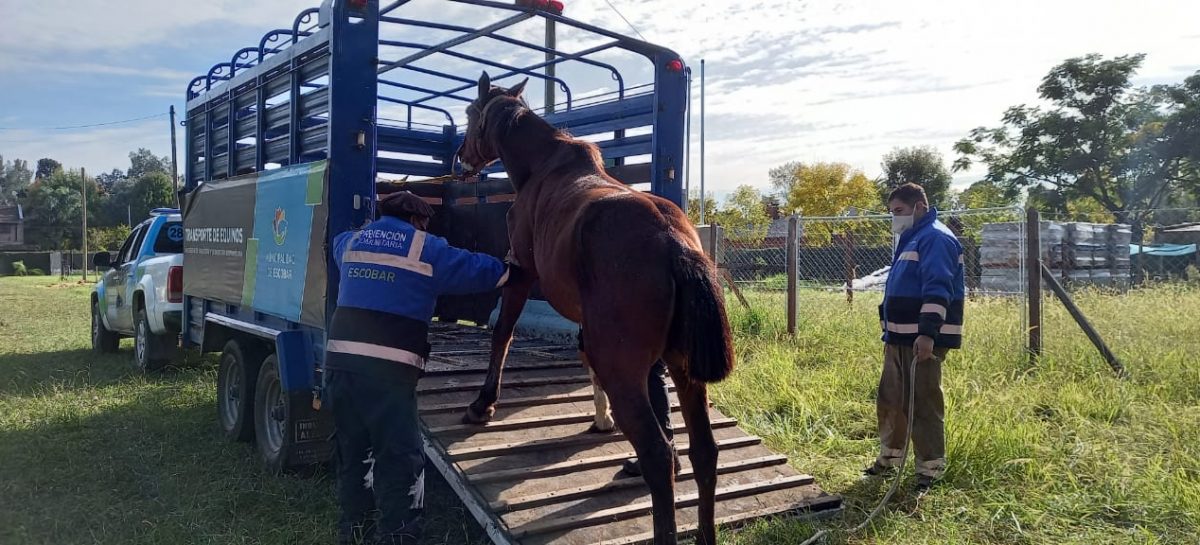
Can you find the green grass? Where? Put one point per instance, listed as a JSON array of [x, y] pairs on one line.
[[1060, 453], [93, 452]]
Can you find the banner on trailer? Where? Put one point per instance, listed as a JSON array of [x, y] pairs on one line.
[[259, 240]]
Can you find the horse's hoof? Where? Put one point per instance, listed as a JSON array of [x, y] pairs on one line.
[[474, 417], [597, 429]]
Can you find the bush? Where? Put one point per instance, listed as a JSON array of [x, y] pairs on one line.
[[19, 268], [37, 272], [1193, 275]]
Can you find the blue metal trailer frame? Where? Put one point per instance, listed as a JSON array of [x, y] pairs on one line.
[[319, 89]]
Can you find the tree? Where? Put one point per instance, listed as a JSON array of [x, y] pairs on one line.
[[783, 177], [46, 167], [108, 180], [54, 208], [744, 217], [830, 189], [693, 209], [1128, 149], [134, 198], [919, 165], [14, 179], [143, 162], [984, 194]]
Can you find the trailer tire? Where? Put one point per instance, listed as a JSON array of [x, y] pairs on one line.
[[272, 418], [236, 376], [103, 340], [150, 352]]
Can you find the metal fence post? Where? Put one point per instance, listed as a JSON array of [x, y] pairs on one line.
[[1033, 267], [792, 273]]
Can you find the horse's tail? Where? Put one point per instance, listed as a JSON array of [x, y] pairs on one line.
[[700, 327]]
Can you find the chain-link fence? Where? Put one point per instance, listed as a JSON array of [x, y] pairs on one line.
[[843, 262], [840, 264]]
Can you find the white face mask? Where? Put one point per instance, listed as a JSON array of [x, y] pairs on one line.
[[900, 224]]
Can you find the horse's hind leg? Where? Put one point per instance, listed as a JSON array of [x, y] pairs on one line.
[[693, 401], [633, 414]]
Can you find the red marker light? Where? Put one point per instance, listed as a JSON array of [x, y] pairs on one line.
[[675, 65], [556, 6]]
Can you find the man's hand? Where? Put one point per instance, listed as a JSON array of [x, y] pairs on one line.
[[924, 348]]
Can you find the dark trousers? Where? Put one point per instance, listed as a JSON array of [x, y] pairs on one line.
[[928, 425], [377, 419]]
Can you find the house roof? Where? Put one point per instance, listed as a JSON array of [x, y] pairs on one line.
[[11, 214]]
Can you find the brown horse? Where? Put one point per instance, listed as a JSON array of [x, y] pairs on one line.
[[625, 265]]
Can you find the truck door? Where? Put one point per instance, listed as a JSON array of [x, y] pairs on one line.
[[122, 280]]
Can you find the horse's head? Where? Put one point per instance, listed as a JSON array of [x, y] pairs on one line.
[[478, 149]]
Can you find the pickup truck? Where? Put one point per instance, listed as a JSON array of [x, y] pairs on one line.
[[141, 293]]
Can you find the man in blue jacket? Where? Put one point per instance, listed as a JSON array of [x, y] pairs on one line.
[[391, 274], [922, 319]]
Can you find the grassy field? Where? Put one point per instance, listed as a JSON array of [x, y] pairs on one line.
[[92, 452]]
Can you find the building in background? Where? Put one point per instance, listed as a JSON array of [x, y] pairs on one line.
[[12, 226]]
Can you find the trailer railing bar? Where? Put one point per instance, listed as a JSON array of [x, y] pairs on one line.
[[304, 17], [421, 89], [449, 118], [469, 83], [564, 58], [613, 72], [505, 23], [387, 9]]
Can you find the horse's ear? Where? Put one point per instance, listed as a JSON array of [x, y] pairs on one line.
[[518, 89], [485, 85]]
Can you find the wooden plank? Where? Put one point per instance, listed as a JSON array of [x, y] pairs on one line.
[[577, 492], [524, 423], [518, 383], [469, 368], [486, 451], [490, 524], [808, 508], [488, 351], [580, 464], [603, 516], [524, 401]]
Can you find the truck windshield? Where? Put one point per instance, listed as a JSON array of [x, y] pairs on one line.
[[170, 238]]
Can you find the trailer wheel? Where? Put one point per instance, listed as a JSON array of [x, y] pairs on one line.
[[103, 340], [235, 391], [272, 422], [150, 352]]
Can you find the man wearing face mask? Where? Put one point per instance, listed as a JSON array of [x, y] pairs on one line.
[[921, 317], [390, 275]]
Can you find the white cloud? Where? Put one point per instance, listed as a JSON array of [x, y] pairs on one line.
[[787, 80]]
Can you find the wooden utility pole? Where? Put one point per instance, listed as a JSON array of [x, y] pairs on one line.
[[174, 159], [551, 43], [83, 175], [793, 241], [1033, 269]]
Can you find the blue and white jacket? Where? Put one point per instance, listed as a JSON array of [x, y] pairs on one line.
[[925, 286], [391, 274]]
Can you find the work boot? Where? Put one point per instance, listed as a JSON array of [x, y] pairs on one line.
[[923, 484], [878, 470]]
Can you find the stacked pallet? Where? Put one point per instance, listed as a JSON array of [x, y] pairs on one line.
[[1081, 254]]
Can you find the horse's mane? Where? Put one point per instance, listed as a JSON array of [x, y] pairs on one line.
[[572, 152]]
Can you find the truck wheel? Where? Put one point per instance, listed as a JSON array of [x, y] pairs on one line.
[[272, 424], [103, 340], [150, 352], [235, 392]]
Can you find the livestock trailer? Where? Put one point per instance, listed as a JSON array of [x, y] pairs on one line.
[[288, 143]]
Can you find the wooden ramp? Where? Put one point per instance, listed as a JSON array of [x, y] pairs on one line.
[[534, 476]]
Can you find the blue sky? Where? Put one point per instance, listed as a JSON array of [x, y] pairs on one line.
[[787, 80]]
